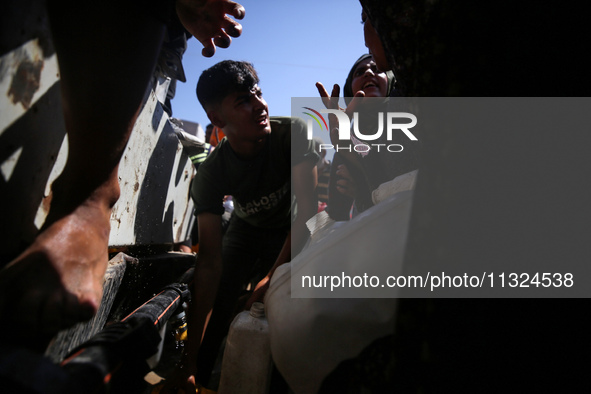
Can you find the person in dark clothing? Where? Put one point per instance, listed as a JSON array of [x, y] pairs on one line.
[[256, 163], [355, 175], [106, 51]]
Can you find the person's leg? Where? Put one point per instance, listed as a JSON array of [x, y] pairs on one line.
[[106, 53]]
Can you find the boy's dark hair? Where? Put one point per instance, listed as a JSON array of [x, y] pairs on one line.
[[225, 77]]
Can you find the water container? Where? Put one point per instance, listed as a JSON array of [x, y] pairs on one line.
[[247, 363], [311, 334]]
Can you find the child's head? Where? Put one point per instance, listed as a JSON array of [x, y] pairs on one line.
[[358, 79], [233, 101], [224, 78]]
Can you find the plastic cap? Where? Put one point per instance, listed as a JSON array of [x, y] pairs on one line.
[[257, 309]]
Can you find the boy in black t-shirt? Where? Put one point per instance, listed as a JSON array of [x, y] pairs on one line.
[[257, 162]]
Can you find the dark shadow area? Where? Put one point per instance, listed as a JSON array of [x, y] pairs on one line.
[[22, 21], [485, 49], [40, 133], [149, 223]]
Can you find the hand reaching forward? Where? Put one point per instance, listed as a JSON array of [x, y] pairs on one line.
[[259, 292], [209, 21], [332, 102]]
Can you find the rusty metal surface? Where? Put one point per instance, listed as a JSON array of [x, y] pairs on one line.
[[154, 208], [31, 133], [155, 175]]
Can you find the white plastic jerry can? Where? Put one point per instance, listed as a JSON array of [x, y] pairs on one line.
[[247, 362]]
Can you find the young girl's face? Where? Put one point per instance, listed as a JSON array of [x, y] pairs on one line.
[[368, 78]]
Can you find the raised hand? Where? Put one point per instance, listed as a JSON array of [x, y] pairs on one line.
[[332, 102], [259, 292], [210, 22]]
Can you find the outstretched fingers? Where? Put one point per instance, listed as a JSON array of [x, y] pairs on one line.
[[336, 90], [233, 28], [234, 9], [208, 48], [210, 21], [229, 27], [330, 101]]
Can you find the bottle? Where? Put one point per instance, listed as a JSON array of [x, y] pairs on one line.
[[247, 362], [171, 348], [179, 322]]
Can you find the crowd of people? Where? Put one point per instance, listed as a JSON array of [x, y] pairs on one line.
[[264, 164], [255, 163], [253, 159]]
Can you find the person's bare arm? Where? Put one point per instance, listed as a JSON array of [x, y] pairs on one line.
[[57, 280], [104, 73], [304, 181], [208, 269]]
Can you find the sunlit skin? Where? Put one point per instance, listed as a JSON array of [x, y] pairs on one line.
[[369, 79], [209, 23], [244, 117], [57, 281]]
